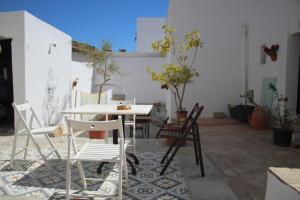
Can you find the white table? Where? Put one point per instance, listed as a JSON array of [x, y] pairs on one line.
[[106, 109]]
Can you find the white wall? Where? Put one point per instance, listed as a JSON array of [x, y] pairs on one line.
[[220, 61], [47, 71], [295, 17], [137, 82], [148, 31], [292, 72], [80, 70], [12, 26]]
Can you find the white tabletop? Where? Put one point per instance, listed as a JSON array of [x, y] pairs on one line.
[[109, 109]]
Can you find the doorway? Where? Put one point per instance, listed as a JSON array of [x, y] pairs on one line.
[[6, 86]]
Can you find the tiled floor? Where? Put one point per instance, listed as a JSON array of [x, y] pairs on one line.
[[236, 160]]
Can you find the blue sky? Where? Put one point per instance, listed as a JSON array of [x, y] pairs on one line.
[[92, 21]]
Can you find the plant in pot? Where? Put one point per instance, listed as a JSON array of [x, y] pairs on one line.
[[104, 65], [281, 120], [244, 111], [232, 111], [177, 75]]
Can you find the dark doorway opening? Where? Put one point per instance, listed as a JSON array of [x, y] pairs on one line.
[[298, 92], [6, 86]]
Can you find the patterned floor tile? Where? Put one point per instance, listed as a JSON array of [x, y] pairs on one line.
[[38, 180]]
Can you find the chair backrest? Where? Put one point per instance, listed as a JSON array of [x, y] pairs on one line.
[[83, 98], [191, 116], [22, 111], [192, 120], [96, 125]]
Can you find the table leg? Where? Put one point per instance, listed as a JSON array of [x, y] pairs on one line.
[[115, 141], [133, 170]]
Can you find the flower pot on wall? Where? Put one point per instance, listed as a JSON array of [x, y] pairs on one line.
[[258, 119], [273, 57], [282, 136]]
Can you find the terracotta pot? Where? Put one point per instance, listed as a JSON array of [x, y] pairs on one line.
[[181, 116], [273, 56], [258, 119], [96, 134]]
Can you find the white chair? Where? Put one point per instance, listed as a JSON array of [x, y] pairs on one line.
[[131, 122], [96, 151], [24, 128]]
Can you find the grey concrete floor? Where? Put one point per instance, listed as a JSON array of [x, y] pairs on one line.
[[236, 159]]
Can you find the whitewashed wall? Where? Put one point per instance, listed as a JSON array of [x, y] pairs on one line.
[[292, 71], [136, 83], [12, 26], [148, 31], [80, 70], [295, 16], [47, 71], [220, 61]]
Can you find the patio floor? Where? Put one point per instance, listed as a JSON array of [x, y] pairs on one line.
[[236, 159]]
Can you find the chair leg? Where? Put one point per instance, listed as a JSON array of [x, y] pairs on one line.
[[195, 145], [39, 151], [158, 133], [52, 146], [172, 156], [126, 170], [13, 152], [68, 180], [196, 149], [199, 150], [133, 138], [26, 147], [169, 150], [81, 173], [120, 177]]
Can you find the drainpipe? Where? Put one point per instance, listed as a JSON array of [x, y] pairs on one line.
[[245, 61]]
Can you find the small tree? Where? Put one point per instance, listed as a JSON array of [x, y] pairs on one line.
[[175, 76], [102, 61]]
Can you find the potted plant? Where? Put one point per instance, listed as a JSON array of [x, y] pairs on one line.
[[281, 120], [232, 111], [103, 64], [244, 111], [177, 75]]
